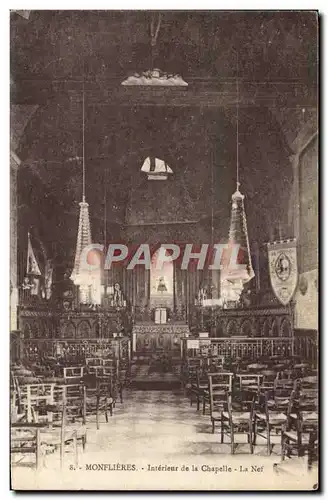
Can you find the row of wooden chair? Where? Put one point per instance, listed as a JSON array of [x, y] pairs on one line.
[[52, 405], [258, 412], [51, 418], [81, 399]]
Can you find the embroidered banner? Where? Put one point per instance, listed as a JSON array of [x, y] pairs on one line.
[[282, 257]]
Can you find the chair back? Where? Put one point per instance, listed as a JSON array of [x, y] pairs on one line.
[[35, 398], [93, 365], [307, 401], [215, 363], [220, 384], [280, 404], [71, 398], [110, 367], [25, 441], [268, 380], [73, 374], [246, 381], [243, 401], [201, 377]]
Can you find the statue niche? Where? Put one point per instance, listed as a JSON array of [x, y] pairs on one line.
[[161, 283]]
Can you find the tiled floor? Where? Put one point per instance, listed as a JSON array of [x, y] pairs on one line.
[[153, 428]]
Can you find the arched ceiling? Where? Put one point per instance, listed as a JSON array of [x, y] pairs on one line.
[[108, 44]]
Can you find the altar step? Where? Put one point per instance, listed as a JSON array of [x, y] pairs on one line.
[[143, 378]]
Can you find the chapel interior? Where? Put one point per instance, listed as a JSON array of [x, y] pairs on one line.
[[164, 127]]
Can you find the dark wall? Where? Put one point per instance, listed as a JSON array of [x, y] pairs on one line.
[[308, 186], [198, 144]]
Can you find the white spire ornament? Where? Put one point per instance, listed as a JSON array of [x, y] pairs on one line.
[[233, 278], [85, 279]]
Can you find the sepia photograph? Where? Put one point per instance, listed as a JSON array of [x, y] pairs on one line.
[[164, 250]]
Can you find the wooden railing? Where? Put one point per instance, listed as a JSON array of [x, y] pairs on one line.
[[238, 347], [252, 348], [34, 349], [306, 344]]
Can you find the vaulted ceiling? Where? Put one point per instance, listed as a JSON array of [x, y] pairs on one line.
[[108, 44]]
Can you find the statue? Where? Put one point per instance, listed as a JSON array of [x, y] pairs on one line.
[[161, 285], [202, 295], [118, 297], [27, 285]]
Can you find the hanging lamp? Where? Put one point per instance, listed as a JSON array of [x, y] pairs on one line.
[[84, 278], [233, 278], [153, 76]]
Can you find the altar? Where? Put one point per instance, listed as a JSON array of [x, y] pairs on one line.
[[150, 338]]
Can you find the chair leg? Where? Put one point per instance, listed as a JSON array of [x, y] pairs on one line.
[[121, 394], [37, 449], [213, 425], [204, 405], [232, 441], [84, 410], [75, 449], [198, 402], [268, 440], [97, 413], [222, 433], [106, 413], [250, 437], [282, 451], [254, 432]]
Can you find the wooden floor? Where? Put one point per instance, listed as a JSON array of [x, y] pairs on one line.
[[153, 428]]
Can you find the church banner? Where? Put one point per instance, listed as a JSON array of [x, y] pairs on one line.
[[282, 256], [32, 266]]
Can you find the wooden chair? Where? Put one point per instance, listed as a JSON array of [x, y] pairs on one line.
[[99, 399], [219, 387], [284, 381], [268, 381], [249, 382], [25, 442], [73, 374], [215, 364], [199, 386], [313, 448], [116, 377], [269, 419], [280, 397], [32, 397], [192, 366], [94, 366], [64, 432], [234, 422], [305, 409], [296, 437]]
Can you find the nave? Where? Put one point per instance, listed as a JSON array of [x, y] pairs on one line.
[[159, 428]]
